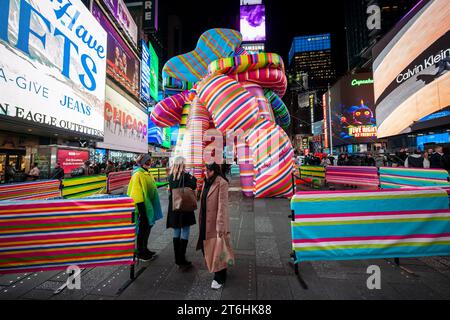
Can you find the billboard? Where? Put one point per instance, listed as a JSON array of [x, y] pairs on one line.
[[72, 159], [154, 70], [411, 68], [253, 22], [353, 110], [119, 10], [150, 15], [145, 73], [122, 63], [43, 79], [126, 126]]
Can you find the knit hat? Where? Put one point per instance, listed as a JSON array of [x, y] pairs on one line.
[[146, 158]]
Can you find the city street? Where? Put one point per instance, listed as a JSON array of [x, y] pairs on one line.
[[262, 242]]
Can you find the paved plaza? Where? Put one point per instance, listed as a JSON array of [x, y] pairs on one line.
[[262, 242]]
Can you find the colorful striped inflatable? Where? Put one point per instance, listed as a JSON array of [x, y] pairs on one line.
[[213, 44], [350, 225], [392, 178], [248, 62], [81, 187], [169, 111], [355, 176], [267, 78], [265, 110], [54, 234], [117, 181], [273, 160], [280, 110], [230, 105], [35, 190]]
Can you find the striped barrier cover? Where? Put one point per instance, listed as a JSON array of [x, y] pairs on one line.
[[54, 234], [364, 224], [393, 178], [82, 187], [355, 176], [118, 180], [35, 190], [159, 174], [312, 172]]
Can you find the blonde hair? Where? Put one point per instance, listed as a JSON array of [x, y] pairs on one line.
[[178, 167]]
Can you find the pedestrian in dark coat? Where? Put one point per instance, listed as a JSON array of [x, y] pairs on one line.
[[180, 222]]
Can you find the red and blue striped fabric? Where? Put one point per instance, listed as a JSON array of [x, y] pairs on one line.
[[54, 234], [169, 111], [364, 224], [35, 190], [268, 78], [355, 176]]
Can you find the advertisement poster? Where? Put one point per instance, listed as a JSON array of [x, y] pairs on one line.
[[72, 159], [253, 22], [411, 68], [154, 70], [353, 110], [120, 11], [145, 73], [126, 126], [155, 134], [122, 63], [42, 82]]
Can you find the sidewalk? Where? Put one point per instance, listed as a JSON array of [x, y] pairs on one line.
[[262, 242]]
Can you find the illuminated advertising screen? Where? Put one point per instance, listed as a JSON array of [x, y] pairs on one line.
[[145, 73], [154, 69], [411, 68], [119, 10], [44, 81], [253, 22], [72, 159], [122, 63], [126, 125], [353, 110]]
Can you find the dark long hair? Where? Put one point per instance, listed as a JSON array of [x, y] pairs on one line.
[[217, 169]]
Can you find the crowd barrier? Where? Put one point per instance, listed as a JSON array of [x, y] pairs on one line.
[[35, 190], [160, 174], [355, 176], [365, 224], [117, 181], [393, 178], [82, 187], [313, 175], [54, 234]]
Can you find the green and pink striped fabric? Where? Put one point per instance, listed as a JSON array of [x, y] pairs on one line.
[[55, 234], [364, 224], [394, 178]]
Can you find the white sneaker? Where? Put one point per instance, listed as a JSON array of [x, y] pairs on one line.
[[216, 286]]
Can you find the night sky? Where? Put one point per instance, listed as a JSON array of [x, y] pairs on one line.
[[285, 19]]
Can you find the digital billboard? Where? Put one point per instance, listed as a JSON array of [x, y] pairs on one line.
[[411, 68], [253, 22], [119, 10], [122, 63], [145, 73], [353, 110], [72, 159], [154, 70], [43, 79], [126, 126]]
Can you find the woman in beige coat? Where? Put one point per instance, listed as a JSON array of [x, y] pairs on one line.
[[214, 219]]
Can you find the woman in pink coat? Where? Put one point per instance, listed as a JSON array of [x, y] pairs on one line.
[[214, 219]]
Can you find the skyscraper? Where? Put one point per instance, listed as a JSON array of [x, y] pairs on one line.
[[361, 35], [312, 54]]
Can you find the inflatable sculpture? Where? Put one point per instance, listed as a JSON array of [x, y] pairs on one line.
[[221, 88]]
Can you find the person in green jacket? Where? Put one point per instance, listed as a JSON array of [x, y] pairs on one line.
[[143, 190]]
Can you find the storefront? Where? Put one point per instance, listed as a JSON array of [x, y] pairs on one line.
[[43, 104]]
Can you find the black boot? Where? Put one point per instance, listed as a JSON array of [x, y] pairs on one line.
[[183, 247], [176, 250]]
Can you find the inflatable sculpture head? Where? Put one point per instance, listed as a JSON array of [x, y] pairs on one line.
[[220, 90]]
